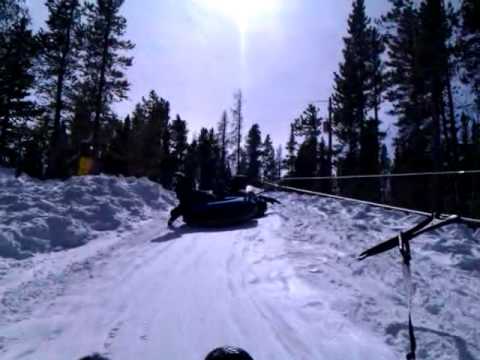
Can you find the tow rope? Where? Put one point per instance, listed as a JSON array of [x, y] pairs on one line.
[[424, 226], [402, 240], [404, 247]]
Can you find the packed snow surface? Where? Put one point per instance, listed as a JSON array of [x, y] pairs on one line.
[[89, 266]]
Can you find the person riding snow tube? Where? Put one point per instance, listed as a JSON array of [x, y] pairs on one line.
[[228, 353], [199, 208], [187, 196]]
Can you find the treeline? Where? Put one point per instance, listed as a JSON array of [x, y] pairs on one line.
[[57, 89], [149, 143], [421, 61], [57, 86]]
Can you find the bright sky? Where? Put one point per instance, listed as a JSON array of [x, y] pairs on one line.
[[197, 53]]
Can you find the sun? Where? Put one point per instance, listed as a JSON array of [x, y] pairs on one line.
[[242, 12]]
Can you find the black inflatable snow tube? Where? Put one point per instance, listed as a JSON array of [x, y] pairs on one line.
[[228, 212]]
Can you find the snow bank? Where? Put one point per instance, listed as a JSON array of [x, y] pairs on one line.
[[47, 216], [324, 236]]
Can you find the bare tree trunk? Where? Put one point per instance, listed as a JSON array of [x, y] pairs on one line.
[[446, 135], [453, 127], [101, 86], [54, 151], [61, 74], [3, 134], [330, 130], [436, 157]]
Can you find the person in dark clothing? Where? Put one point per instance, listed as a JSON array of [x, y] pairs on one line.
[[94, 357], [228, 353], [187, 197], [223, 353], [238, 185]]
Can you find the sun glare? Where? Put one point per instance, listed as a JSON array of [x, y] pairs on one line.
[[242, 12]]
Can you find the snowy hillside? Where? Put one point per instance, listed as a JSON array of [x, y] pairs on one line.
[[90, 266], [40, 217]]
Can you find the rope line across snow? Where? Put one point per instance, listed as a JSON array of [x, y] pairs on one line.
[[375, 176], [469, 221]]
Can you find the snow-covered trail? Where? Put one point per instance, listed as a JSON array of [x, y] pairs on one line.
[[88, 265], [161, 294]]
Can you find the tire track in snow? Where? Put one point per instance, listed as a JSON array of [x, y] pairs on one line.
[[178, 299]]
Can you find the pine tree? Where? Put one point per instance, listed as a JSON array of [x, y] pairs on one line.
[[223, 143], [149, 140], [17, 52], [436, 63], [323, 167], [475, 136], [376, 72], [407, 87], [385, 168], [421, 68], [268, 160], [191, 167], [371, 162], [156, 146], [308, 126], [60, 50], [11, 11], [467, 148], [59, 57], [32, 162], [136, 161], [116, 156], [167, 163], [323, 163], [179, 142], [351, 89], [204, 157], [278, 162], [470, 46], [236, 132], [309, 123], [254, 153], [290, 160], [81, 125], [306, 162], [105, 59], [243, 165], [370, 136], [207, 157], [408, 94], [385, 161]]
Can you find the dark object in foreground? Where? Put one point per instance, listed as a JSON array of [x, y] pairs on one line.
[[222, 353], [230, 211], [402, 240], [95, 357], [228, 353], [203, 209], [424, 226], [227, 212]]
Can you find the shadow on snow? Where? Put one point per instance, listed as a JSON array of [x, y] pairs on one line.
[[177, 233]]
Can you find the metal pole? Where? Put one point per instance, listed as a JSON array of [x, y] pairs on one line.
[[330, 130]]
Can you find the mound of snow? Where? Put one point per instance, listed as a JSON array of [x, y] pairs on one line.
[[38, 216]]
